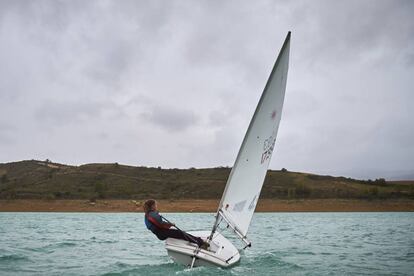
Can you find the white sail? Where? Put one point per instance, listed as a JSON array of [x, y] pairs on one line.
[[246, 179]]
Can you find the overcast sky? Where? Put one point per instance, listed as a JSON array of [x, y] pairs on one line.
[[175, 83]]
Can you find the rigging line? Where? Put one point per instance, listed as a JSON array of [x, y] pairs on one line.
[[218, 224], [215, 226], [248, 245], [237, 232], [184, 233]]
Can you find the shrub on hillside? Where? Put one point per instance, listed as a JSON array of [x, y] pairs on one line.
[[4, 178]]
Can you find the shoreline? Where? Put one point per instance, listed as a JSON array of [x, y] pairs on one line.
[[206, 205]]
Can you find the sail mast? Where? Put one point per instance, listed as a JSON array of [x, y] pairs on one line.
[[247, 175]]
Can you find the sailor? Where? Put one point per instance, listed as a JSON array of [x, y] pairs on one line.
[[162, 229]]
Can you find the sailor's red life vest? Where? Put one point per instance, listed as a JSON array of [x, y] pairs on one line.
[[157, 222]]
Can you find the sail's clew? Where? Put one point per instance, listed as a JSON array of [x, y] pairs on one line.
[[246, 179], [233, 226]]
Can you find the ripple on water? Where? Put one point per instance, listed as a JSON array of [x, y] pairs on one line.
[[59, 245], [156, 269], [272, 261], [289, 244], [285, 229], [13, 258], [51, 248]]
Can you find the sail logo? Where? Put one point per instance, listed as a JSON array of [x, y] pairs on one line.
[[268, 146], [239, 206], [253, 203]]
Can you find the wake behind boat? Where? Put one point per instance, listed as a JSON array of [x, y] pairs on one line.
[[246, 178]]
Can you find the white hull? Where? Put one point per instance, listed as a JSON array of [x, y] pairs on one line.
[[221, 253]]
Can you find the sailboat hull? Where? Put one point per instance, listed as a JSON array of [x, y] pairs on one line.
[[222, 253]]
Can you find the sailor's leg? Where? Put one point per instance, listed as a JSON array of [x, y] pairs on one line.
[[198, 240], [176, 234]]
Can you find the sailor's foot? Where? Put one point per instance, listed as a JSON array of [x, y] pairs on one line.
[[205, 245]]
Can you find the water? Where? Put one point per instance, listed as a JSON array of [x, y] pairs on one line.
[[283, 244]]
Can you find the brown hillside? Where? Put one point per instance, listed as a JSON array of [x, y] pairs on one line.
[[46, 180]]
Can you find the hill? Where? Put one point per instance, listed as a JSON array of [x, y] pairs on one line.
[[34, 179]]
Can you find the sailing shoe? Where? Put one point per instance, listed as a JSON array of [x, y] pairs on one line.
[[205, 245]]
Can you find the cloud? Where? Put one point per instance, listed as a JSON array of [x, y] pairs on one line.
[[170, 118], [62, 113], [175, 84], [368, 31], [7, 133]]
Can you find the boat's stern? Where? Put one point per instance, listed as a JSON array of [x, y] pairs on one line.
[[221, 252]]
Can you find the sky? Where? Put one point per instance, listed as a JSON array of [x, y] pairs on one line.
[[175, 83]]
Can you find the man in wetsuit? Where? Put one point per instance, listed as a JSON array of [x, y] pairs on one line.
[[162, 229]]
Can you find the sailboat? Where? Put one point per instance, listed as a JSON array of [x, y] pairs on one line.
[[245, 181]]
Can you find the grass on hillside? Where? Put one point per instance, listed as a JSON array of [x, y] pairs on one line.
[[46, 180]]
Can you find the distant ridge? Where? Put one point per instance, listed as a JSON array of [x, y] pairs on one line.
[[34, 179]]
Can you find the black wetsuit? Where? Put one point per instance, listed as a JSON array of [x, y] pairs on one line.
[[162, 230]]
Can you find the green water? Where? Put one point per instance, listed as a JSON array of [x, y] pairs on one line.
[[283, 244]]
